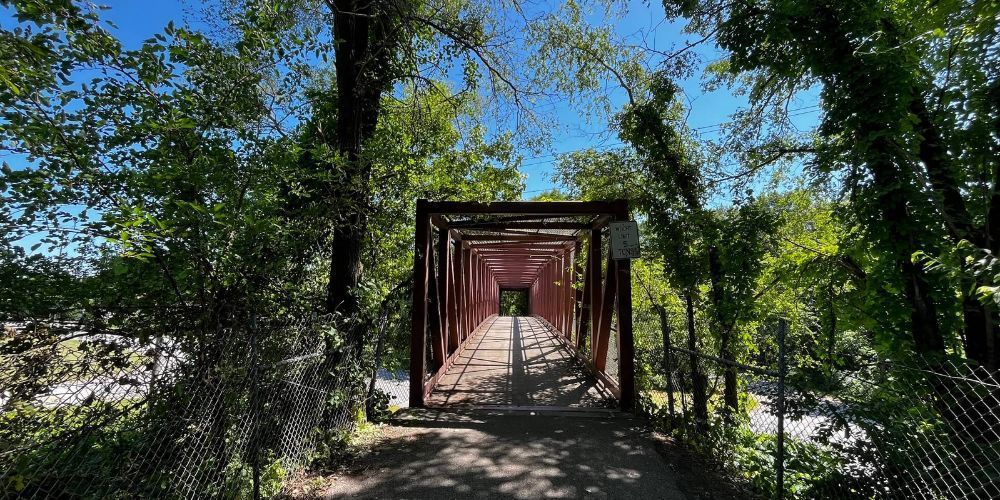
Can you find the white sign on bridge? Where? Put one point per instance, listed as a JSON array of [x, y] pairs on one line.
[[624, 240]]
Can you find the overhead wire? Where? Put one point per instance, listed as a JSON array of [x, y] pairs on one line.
[[604, 147]]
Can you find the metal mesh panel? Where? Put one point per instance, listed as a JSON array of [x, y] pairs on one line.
[[929, 429], [106, 417]]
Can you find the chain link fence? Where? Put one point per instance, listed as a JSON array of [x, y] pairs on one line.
[[229, 414], [926, 429]]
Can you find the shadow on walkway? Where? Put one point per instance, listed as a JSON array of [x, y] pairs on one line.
[[446, 454], [518, 361]]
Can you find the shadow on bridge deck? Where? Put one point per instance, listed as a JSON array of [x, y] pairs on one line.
[[518, 361]]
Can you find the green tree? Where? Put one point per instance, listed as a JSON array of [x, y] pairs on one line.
[[379, 46], [168, 180], [909, 123]]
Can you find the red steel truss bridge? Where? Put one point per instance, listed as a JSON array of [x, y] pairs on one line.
[[573, 348]]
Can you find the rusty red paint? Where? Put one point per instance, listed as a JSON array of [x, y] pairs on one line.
[[454, 298]]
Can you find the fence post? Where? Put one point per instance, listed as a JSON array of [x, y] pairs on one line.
[[255, 405], [779, 459], [665, 331]]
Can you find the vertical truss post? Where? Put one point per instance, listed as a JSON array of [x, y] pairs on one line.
[[471, 312], [480, 290], [460, 289], [466, 313], [607, 308], [595, 286], [436, 320], [473, 288], [561, 296], [453, 331], [418, 319], [583, 311], [489, 292], [626, 341], [543, 292], [444, 270], [567, 295], [564, 287], [549, 290], [550, 287], [474, 306], [554, 291]]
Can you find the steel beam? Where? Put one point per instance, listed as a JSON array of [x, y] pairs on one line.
[[501, 225], [444, 277], [418, 317], [594, 258], [548, 208], [607, 309], [437, 321]]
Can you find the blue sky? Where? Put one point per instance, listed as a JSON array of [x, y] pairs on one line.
[[645, 22], [138, 20]]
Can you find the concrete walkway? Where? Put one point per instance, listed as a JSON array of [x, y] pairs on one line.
[[518, 361], [518, 454], [517, 416]]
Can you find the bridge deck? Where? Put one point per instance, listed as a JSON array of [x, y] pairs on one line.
[[518, 361]]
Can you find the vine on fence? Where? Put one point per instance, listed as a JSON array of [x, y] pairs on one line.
[[107, 416], [924, 429]]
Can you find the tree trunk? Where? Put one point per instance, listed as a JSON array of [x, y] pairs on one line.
[[980, 333], [923, 314], [940, 172], [362, 50], [730, 385], [892, 194], [980, 321], [667, 368], [992, 101], [699, 384], [345, 267], [892, 190], [831, 340], [364, 46]]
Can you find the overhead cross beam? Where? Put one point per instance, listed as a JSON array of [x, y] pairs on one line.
[[519, 225], [518, 237], [522, 208]]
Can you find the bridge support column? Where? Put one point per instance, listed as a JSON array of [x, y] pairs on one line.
[[418, 319]]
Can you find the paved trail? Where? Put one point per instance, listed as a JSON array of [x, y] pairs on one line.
[[495, 433], [517, 361], [480, 454]]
